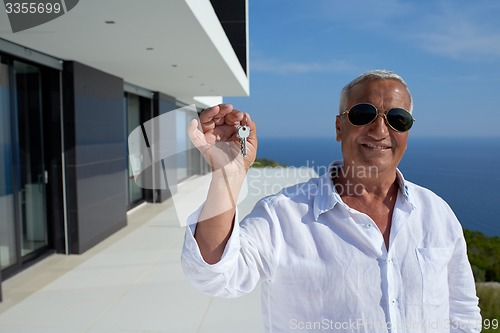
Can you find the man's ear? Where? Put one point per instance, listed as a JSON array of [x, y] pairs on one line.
[[338, 130]]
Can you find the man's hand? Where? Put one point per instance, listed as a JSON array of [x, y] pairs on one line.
[[218, 141]]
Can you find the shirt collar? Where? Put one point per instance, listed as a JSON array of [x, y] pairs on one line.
[[403, 187], [327, 197]]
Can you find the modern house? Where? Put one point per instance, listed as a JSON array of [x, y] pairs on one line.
[[72, 89]]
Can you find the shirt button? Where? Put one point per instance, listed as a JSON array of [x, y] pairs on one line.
[[369, 225], [394, 301], [389, 261]]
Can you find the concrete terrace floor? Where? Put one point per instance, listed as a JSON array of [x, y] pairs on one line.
[[132, 282]]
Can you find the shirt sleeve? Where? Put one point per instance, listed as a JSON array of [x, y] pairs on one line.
[[464, 310], [248, 257]]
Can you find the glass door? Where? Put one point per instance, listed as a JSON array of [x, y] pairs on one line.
[[8, 252], [133, 106], [32, 174]]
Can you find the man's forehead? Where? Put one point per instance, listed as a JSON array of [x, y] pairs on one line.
[[376, 83], [378, 87]]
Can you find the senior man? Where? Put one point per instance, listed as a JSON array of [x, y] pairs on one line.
[[358, 249]]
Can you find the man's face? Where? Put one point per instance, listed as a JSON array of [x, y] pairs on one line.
[[374, 144]]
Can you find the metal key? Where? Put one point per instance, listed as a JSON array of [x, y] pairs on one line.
[[243, 132]]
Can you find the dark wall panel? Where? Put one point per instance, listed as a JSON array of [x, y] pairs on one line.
[[95, 135], [232, 16]]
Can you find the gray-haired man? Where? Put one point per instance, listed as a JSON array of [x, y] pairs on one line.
[[358, 249]]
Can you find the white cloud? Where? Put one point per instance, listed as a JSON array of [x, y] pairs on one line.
[[458, 29], [363, 14], [461, 30], [473, 46], [278, 66]]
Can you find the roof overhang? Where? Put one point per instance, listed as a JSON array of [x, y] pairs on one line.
[[177, 47]]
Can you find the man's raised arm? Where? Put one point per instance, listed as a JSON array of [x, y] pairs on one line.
[[219, 145]]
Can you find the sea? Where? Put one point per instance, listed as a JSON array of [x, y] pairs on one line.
[[465, 172]]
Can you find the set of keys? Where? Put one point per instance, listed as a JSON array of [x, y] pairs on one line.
[[243, 132]]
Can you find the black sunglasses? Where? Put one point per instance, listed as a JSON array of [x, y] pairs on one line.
[[362, 114]]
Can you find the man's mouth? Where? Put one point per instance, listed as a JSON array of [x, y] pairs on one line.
[[374, 146]]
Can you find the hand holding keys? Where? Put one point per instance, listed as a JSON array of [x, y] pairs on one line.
[[214, 136]]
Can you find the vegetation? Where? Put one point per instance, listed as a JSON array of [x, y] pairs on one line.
[[264, 162], [484, 256], [489, 302]]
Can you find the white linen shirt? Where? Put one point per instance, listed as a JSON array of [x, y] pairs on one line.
[[324, 266]]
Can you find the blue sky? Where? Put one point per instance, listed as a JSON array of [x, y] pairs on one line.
[[302, 52]]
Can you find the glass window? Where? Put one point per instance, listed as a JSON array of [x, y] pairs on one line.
[[33, 174], [7, 224], [135, 192]]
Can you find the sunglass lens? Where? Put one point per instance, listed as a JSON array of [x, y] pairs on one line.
[[400, 119], [362, 114]]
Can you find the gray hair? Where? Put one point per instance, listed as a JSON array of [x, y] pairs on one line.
[[378, 74]]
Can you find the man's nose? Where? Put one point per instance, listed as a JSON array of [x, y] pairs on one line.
[[379, 128]]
